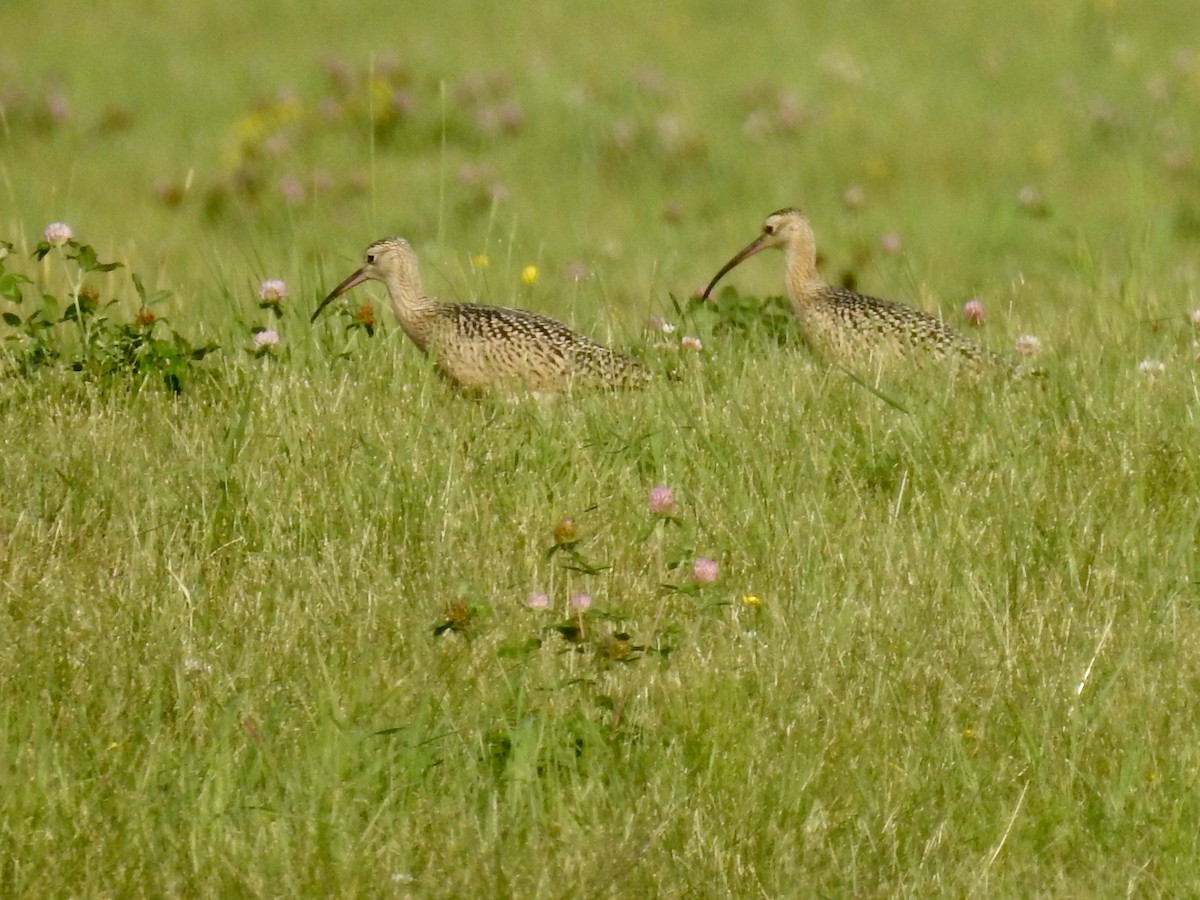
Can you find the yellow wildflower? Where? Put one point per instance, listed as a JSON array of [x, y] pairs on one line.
[[480, 261], [751, 600], [529, 274], [381, 92]]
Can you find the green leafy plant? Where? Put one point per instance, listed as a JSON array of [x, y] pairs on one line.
[[80, 332], [729, 312]]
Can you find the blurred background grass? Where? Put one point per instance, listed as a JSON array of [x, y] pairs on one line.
[[639, 156]]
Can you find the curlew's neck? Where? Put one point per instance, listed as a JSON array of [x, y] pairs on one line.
[[414, 311], [800, 257]]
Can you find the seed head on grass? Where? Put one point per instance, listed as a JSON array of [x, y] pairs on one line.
[[1027, 345], [194, 666], [1030, 200], [566, 531], [1196, 318], [691, 343], [618, 647], [364, 316], [250, 727], [458, 618]]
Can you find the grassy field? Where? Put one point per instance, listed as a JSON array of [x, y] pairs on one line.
[[270, 634]]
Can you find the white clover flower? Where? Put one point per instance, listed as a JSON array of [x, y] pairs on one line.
[[1029, 197], [58, 233], [272, 291], [195, 666], [658, 323]]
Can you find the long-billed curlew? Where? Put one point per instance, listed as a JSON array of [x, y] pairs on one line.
[[842, 324], [488, 347]]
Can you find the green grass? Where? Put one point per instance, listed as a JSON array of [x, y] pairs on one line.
[[973, 668]]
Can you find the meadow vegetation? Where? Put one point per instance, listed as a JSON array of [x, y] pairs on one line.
[[282, 614]]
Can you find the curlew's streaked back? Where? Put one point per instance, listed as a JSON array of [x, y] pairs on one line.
[[840, 323], [489, 347]]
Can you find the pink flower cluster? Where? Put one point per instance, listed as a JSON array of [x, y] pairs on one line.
[[662, 501], [580, 603], [973, 312], [704, 571]]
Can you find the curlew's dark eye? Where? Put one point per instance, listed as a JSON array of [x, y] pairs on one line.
[[768, 228], [370, 259]]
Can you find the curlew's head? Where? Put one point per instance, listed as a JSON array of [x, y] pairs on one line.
[[784, 229], [390, 260]]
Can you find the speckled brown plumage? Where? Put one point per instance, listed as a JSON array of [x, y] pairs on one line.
[[842, 324], [489, 347]]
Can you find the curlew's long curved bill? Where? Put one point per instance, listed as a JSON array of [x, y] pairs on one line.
[[760, 243], [357, 278]]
